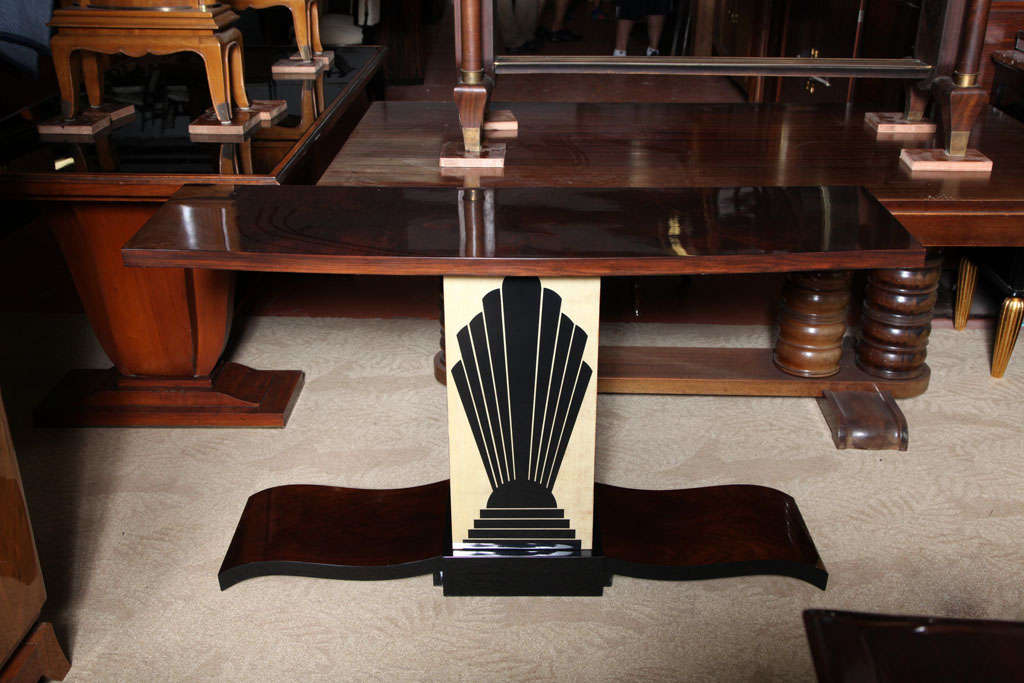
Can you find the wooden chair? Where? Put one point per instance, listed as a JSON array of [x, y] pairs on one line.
[[305, 16], [87, 29]]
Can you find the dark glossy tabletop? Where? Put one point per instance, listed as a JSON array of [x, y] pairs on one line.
[[683, 145], [168, 93], [521, 231]]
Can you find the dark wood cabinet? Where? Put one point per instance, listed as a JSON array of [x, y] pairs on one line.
[[27, 650]]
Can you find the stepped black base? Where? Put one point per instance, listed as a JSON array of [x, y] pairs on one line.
[[341, 533]]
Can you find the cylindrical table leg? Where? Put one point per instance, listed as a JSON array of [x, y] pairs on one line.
[[1010, 317], [812, 323], [896, 320]]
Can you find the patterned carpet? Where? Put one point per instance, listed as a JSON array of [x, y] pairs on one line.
[[132, 524]]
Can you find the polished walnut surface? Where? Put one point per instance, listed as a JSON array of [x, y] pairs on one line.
[[713, 145], [522, 231]]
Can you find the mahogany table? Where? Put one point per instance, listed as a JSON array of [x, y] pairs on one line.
[[521, 514], [165, 331]]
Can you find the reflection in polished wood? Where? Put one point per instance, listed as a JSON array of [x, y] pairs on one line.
[[896, 320], [966, 280], [339, 533], [812, 322], [730, 372], [851, 647], [563, 231], [680, 145], [705, 533]]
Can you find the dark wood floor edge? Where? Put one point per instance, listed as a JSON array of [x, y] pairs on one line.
[[229, 576], [815, 575]]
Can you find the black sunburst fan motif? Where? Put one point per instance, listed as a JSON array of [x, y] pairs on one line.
[[521, 381]]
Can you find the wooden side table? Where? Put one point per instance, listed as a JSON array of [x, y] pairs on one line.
[[94, 27]]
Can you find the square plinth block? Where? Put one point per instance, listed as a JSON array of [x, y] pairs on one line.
[[894, 122], [454, 155], [88, 123], [293, 67], [501, 120], [269, 111], [208, 128], [937, 160]]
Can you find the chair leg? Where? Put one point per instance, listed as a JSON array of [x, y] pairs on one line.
[[300, 17], [215, 58], [92, 70], [967, 278], [314, 27], [1006, 334], [67, 64]]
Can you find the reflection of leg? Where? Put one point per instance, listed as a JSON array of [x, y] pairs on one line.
[[1006, 334], [507, 24], [622, 31], [527, 12], [966, 279], [558, 22], [655, 24]]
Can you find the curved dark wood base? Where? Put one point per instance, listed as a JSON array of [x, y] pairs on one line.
[[233, 396], [340, 533], [39, 656], [365, 534], [705, 533]]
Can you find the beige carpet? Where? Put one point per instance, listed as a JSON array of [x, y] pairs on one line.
[[132, 524]]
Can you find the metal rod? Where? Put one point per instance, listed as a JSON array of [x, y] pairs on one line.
[[907, 68]]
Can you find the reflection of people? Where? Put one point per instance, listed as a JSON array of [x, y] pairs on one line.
[[559, 33], [631, 11], [517, 21]]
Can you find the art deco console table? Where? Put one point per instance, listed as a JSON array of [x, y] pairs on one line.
[[521, 514]]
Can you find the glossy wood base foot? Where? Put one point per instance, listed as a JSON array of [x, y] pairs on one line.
[[360, 534], [88, 123], [234, 396], [705, 533], [937, 160], [868, 420], [339, 533], [501, 119], [326, 57], [269, 111], [730, 372], [38, 657]]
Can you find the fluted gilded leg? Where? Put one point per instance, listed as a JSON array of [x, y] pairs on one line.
[[812, 323], [1010, 318], [967, 278], [897, 320]]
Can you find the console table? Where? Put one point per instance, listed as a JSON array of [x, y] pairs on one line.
[[521, 514], [165, 330]]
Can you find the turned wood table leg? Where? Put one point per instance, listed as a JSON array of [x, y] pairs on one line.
[[967, 278], [165, 330], [896, 321], [1007, 331], [812, 323]]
